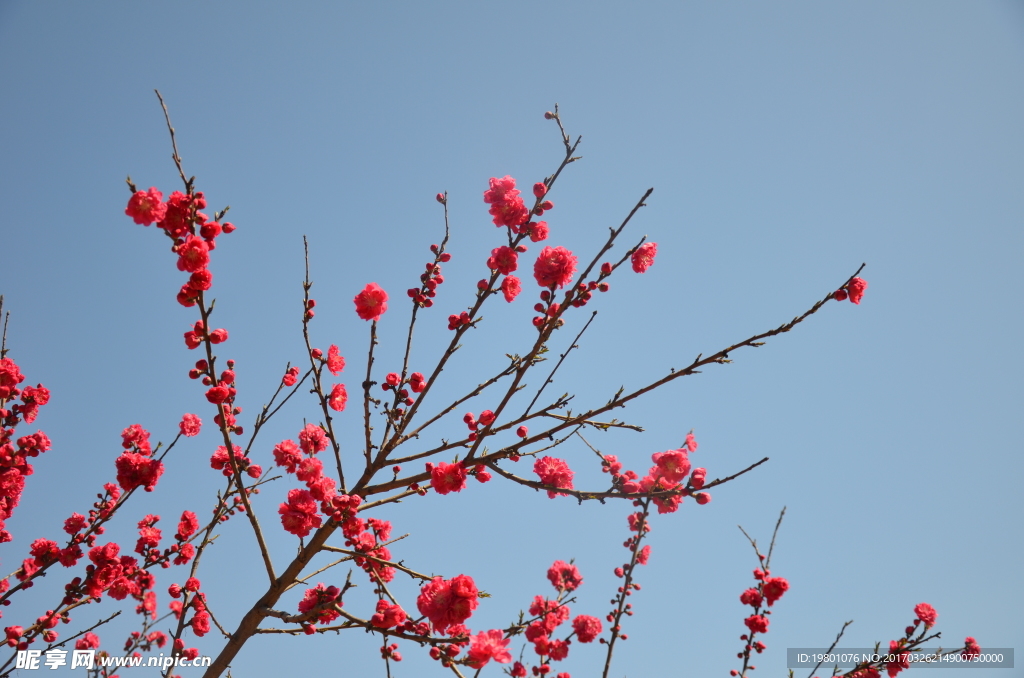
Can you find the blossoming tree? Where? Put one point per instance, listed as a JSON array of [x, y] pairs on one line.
[[326, 495]]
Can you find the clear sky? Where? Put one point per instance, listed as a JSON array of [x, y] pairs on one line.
[[786, 142]]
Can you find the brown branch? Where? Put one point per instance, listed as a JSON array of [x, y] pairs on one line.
[[583, 495], [174, 144], [559, 363], [317, 370]]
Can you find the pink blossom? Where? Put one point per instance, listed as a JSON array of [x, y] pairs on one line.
[[318, 596], [220, 460], [554, 472], [371, 303], [856, 289], [75, 523], [926, 613], [673, 465], [691, 443], [557, 650], [507, 206], [511, 287], [218, 394], [335, 362], [137, 470], [587, 628], [564, 576], [135, 436], [45, 551], [187, 526], [288, 455], [146, 207], [310, 470], [185, 554], [774, 587], [554, 267], [503, 259], [552, 615], [89, 641], [388, 616], [643, 257], [488, 645], [751, 597], [200, 280], [901, 662], [193, 254], [538, 230], [445, 478], [446, 603], [201, 623], [312, 439], [337, 398], [299, 515], [756, 623], [190, 425]]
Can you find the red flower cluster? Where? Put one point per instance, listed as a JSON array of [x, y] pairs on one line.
[[537, 230], [388, 616], [756, 623], [313, 439], [926, 613], [337, 398], [507, 206], [430, 279], [299, 515], [445, 478], [587, 628], [447, 603], [336, 362], [564, 576], [511, 287], [643, 257], [503, 259], [457, 321], [14, 466], [137, 469], [322, 598], [854, 290], [221, 461], [554, 472], [488, 645], [190, 425], [555, 267], [179, 217]]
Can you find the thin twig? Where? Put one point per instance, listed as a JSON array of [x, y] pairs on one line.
[[561, 360], [832, 646], [317, 370], [174, 144]]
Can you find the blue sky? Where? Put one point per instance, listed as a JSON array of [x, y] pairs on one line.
[[787, 143]]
